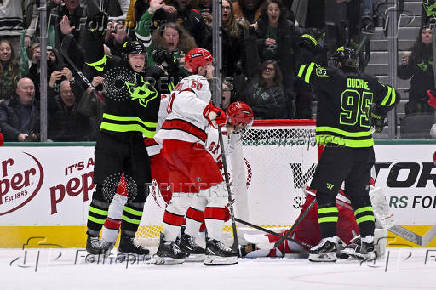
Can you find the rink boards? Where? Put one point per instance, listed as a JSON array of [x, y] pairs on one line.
[[45, 190]]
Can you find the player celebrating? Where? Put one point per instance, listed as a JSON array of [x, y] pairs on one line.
[[192, 171], [131, 113], [349, 103]]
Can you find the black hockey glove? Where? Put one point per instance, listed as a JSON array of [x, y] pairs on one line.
[[377, 119]]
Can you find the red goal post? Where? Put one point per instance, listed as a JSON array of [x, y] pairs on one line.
[[269, 168]]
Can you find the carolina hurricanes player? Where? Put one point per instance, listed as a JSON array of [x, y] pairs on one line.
[[193, 173], [239, 116], [307, 233]]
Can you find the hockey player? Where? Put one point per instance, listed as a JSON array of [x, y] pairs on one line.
[[239, 117], [349, 103], [193, 173], [307, 234], [131, 108]]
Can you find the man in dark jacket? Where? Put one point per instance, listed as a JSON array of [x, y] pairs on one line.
[[65, 122], [19, 116]]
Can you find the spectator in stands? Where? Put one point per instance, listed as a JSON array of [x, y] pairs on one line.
[[32, 31], [227, 95], [159, 18], [171, 42], [117, 35], [249, 10], [428, 12], [54, 63], [192, 21], [11, 24], [91, 105], [274, 33], [367, 19], [68, 22], [65, 122], [9, 70], [205, 9], [233, 35], [19, 116], [265, 93], [418, 67]]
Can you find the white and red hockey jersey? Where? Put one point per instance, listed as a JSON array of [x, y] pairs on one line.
[[185, 120]]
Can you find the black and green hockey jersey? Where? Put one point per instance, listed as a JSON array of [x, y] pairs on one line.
[[132, 101], [344, 104]]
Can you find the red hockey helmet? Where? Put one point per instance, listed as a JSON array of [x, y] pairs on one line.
[[239, 112], [197, 57]]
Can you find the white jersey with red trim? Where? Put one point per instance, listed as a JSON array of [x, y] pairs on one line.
[[214, 147], [185, 120], [235, 166], [152, 146]]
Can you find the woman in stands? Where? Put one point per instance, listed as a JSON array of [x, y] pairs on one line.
[[418, 67], [171, 42], [264, 93], [9, 70]]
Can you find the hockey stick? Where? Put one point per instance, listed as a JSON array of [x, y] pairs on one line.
[[74, 67], [297, 222], [304, 245], [235, 247]]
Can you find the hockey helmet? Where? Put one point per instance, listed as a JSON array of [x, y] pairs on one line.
[[197, 57], [133, 47], [239, 112], [348, 58]]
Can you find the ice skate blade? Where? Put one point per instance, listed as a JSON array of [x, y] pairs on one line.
[[323, 257], [211, 260], [195, 258], [165, 260]]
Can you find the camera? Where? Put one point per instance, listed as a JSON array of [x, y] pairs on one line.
[[164, 57]]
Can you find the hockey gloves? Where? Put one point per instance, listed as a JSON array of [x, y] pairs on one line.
[[215, 116], [431, 98], [377, 120]]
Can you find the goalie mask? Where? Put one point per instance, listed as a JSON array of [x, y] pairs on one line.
[[197, 57], [239, 113]]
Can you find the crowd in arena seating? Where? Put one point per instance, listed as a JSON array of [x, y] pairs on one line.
[[260, 47]]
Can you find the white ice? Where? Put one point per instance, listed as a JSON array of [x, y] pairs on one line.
[[57, 269]]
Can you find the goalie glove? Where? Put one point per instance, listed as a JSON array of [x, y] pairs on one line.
[[377, 120], [215, 116], [431, 98]]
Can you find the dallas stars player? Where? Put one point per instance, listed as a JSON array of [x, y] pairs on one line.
[[349, 103], [130, 115]]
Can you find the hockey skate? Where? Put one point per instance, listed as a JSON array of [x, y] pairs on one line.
[[361, 248], [194, 252], [218, 254], [97, 247], [127, 247], [325, 251], [168, 253]]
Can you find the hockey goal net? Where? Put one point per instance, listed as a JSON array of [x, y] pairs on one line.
[[269, 168]]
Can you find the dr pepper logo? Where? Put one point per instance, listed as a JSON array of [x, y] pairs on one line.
[[21, 180]]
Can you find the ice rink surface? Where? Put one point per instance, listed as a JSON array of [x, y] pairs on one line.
[[65, 269]]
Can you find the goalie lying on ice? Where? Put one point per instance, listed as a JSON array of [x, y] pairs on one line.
[[307, 233]]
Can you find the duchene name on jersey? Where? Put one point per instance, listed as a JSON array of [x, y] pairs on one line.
[[357, 84]]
